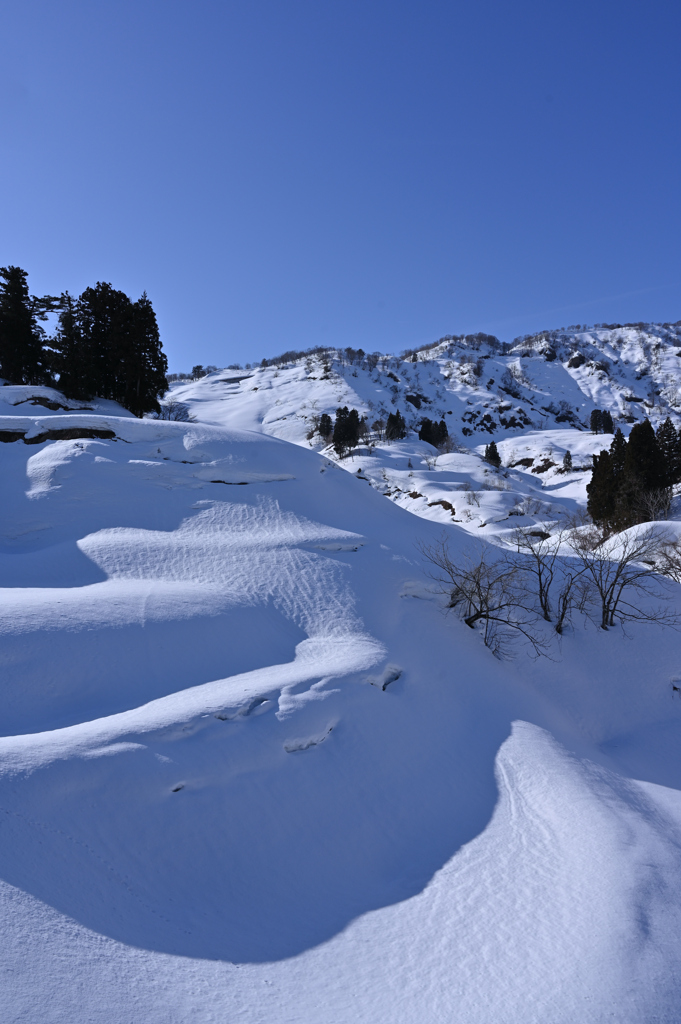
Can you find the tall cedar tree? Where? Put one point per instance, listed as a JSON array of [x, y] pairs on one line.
[[643, 466], [346, 430], [602, 492], [70, 356], [618, 452], [670, 452], [325, 425], [596, 421], [108, 346], [22, 357], [145, 372]]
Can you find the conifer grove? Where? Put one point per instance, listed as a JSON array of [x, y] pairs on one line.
[[105, 345], [632, 481]]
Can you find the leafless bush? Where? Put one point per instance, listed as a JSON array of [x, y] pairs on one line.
[[537, 556], [487, 593], [621, 572], [529, 507], [652, 505], [174, 410], [669, 560], [472, 497]]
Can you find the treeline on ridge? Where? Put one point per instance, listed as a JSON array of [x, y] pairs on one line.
[[105, 345]]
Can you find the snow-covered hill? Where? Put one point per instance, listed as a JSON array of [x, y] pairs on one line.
[[252, 770], [533, 398], [482, 389]]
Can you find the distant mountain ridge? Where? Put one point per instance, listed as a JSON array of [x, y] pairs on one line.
[[480, 386]]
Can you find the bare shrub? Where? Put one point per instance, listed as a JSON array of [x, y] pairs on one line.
[[487, 593], [538, 557], [652, 505], [621, 573], [472, 496], [174, 410]]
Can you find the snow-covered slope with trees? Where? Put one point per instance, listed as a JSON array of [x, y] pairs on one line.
[[480, 386], [534, 398], [252, 769]]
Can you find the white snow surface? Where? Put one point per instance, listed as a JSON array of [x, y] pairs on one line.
[[250, 768]]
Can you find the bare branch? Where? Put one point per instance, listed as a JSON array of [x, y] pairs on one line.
[[621, 571], [487, 593]]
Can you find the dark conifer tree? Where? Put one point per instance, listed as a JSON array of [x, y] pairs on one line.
[[325, 425], [596, 422], [602, 492], [395, 428], [105, 318], [432, 432], [643, 465], [668, 443], [22, 355], [676, 459], [492, 454], [618, 453], [607, 426], [70, 355], [346, 430], [567, 462], [144, 372], [120, 349]]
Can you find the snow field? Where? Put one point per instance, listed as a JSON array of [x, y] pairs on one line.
[[250, 770]]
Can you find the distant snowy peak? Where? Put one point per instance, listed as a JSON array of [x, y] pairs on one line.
[[478, 385]]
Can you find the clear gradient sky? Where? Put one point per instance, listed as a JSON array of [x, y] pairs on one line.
[[286, 173]]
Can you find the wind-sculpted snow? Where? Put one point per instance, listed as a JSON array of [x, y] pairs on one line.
[[251, 769]]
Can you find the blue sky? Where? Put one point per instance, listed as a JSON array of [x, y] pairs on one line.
[[374, 174]]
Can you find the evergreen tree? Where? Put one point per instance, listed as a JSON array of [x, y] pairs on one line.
[[607, 426], [567, 462], [602, 492], [643, 465], [70, 356], [105, 318], [346, 430], [492, 455], [22, 356], [110, 347], [143, 376], [668, 444], [395, 428], [432, 432], [596, 422], [618, 453], [325, 425], [676, 459]]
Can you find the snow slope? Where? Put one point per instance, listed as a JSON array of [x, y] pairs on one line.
[[250, 770], [483, 389], [534, 398]]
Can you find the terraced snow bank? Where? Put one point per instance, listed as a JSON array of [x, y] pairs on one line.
[[250, 769]]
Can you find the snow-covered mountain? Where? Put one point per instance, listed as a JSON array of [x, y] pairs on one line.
[[480, 387], [534, 398], [252, 769]]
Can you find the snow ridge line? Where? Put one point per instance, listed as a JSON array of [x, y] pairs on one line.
[[315, 658]]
